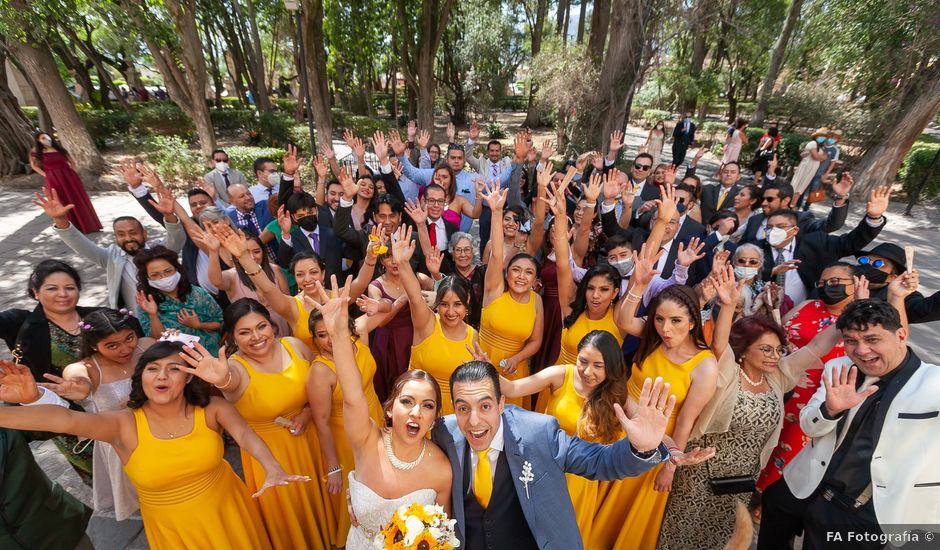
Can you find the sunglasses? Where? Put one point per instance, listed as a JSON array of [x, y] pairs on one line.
[[748, 261], [642, 167], [865, 260], [769, 199]]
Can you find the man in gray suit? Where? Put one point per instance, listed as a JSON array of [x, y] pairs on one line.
[[509, 464], [222, 176]]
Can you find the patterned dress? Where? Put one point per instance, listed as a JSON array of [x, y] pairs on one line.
[[695, 517]]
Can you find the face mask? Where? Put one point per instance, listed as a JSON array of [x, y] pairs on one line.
[[830, 141], [46, 141], [681, 208], [874, 275], [820, 140], [833, 294], [308, 223], [221, 167], [166, 284], [274, 179], [776, 236], [624, 267], [745, 272]]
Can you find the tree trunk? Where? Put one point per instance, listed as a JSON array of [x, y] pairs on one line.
[[16, 130], [217, 83], [36, 59], [879, 165], [417, 59], [105, 82], [600, 23], [619, 73], [76, 68], [701, 19], [581, 20], [565, 25], [532, 117], [560, 16], [776, 62], [315, 59], [263, 99]]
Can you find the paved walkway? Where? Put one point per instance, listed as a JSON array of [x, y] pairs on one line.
[[26, 237]]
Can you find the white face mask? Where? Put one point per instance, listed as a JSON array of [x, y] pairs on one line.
[[624, 267], [166, 284], [274, 179], [221, 167], [776, 237], [46, 141], [745, 272]]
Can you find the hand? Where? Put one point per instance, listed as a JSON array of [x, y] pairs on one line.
[[146, 303], [728, 290], [612, 188], [593, 189], [377, 244], [396, 167], [772, 166], [512, 363], [670, 177], [548, 150], [353, 520], [128, 169], [647, 424], [424, 137], [66, 388], [698, 155], [474, 130], [16, 383], [291, 162], [477, 352], [333, 308], [494, 196], [667, 199], [616, 141], [412, 129], [380, 146], [327, 149], [298, 424], [878, 202], [555, 203], [369, 306], [321, 168], [649, 206], [843, 185], [663, 482], [358, 149], [417, 212], [644, 265], [165, 203], [904, 284], [841, 394], [394, 139], [207, 187], [350, 188], [150, 175], [213, 369], [234, 242], [696, 456], [725, 226], [433, 259], [784, 267], [402, 245], [521, 146], [451, 133], [691, 254], [545, 175], [205, 240], [49, 202], [334, 483], [862, 291], [189, 318], [720, 259], [278, 477]]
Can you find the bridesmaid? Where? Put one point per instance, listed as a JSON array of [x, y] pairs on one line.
[[266, 382], [170, 443], [511, 323], [582, 398], [442, 341], [50, 160]]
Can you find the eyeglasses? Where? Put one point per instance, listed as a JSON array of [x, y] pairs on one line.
[[435, 202], [747, 261], [769, 351], [769, 199], [865, 260], [463, 250], [832, 281], [642, 167]]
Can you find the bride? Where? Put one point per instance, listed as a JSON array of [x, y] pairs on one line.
[[395, 464]]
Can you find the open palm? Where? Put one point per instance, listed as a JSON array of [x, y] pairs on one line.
[[17, 384], [646, 424], [841, 394], [212, 369]]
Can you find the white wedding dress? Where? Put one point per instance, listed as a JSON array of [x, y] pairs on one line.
[[374, 512]]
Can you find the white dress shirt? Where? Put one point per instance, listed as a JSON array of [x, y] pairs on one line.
[[496, 447], [666, 248], [438, 227], [260, 191], [794, 285]]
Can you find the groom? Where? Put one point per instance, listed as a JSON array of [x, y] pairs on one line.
[[509, 488]]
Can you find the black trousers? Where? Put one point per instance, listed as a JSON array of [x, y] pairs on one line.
[[486, 218], [678, 152], [781, 517], [835, 525]]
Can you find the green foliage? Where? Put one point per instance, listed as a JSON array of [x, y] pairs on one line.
[[915, 167], [711, 130], [286, 105], [495, 130], [103, 125], [163, 118], [789, 149], [362, 126], [32, 113], [242, 158], [652, 116], [274, 129], [232, 103], [233, 120], [173, 159], [753, 139], [566, 79], [300, 137]]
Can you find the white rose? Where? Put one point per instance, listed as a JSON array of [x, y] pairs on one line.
[[413, 528]]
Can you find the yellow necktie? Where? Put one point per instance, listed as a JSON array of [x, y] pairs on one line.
[[721, 199], [483, 479]]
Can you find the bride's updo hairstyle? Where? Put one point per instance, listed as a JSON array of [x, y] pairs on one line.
[[408, 376]]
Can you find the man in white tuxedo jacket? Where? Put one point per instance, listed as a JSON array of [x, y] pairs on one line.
[[872, 464]]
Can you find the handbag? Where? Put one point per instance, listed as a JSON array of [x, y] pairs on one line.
[[818, 195], [730, 485]]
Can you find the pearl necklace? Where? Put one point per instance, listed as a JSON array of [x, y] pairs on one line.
[[751, 382], [398, 463]]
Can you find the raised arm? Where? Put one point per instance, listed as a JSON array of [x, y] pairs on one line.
[[643, 272], [566, 287], [493, 280], [582, 235], [422, 317], [550, 377], [729, 292], [320, 384], [377, 246]]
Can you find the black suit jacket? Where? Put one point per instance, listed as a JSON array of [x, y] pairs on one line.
[[710, 196], [689, 230], [920, 309], [29, 331], [817, 250], [806, 221], [331, 247], [683, 138]]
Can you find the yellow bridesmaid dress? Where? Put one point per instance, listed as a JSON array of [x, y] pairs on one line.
[[298, 515], [565, 404], [571, 337], [302, 327], [505, 326], [189, 495], [630, 511], [366, 364], [440, 356]]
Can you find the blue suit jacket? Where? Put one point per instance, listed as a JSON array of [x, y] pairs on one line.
[[537, 439]]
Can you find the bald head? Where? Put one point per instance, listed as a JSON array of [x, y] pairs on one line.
[[241, 198]]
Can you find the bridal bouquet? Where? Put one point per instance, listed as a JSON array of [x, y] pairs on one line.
[[417, 527]]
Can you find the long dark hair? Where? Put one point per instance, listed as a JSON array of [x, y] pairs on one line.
[[451, 191], [678, 294], [38, 148], [580, 300], [265, 264], [101, 323], [234, 312], [457, 285], [146, 256], [196, 392], [597, 421]]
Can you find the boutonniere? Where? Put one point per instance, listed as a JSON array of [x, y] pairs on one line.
[[526, 476]]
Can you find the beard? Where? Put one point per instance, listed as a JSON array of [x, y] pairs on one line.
[[132, 247]]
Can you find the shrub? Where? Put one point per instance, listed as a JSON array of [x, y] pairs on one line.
[[915, 166], [173, 159], [105, 125], [242, 158], [233, 120], [495, 130], [286, 105], [711, 130], [300, 137], [652, 116], [32, 113], [636, 114], [274, 129], [753, 138], [232, 102], [163, 118], [362, 126]]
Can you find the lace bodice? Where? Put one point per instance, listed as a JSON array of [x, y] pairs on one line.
[[373, 511]]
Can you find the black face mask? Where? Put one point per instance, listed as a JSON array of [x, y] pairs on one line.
[[874, 275], [833, 294], [308, 223]]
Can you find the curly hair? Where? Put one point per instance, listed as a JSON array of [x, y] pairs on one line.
[[598, 421], [747, 330], [580, 300], [682, 296], [196, 392], [148, 255]]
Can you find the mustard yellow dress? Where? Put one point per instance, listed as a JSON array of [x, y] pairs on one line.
[[189, 495], [571, 337], [565, 404], [297, 515], [630, 511], [440, 356], [505, 326], [302, 327], [367, 366]]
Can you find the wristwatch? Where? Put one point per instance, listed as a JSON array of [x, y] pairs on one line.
[[645, 454]]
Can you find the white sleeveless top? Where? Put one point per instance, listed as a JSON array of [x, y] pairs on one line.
[[374, 512]]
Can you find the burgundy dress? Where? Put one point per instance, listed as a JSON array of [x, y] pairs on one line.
[[551, 333], [391, 348], [61, 177]]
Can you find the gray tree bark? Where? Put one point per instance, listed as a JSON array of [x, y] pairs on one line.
[[776, 61]]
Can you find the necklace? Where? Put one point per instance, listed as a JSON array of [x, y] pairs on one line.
[[108, 364], [174, 434], [398, 463], [751, 382]]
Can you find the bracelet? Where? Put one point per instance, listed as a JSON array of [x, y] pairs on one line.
[[226, 384], [334, 470], [255, 273], [590, 204], [630, 294], [677, 449]]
